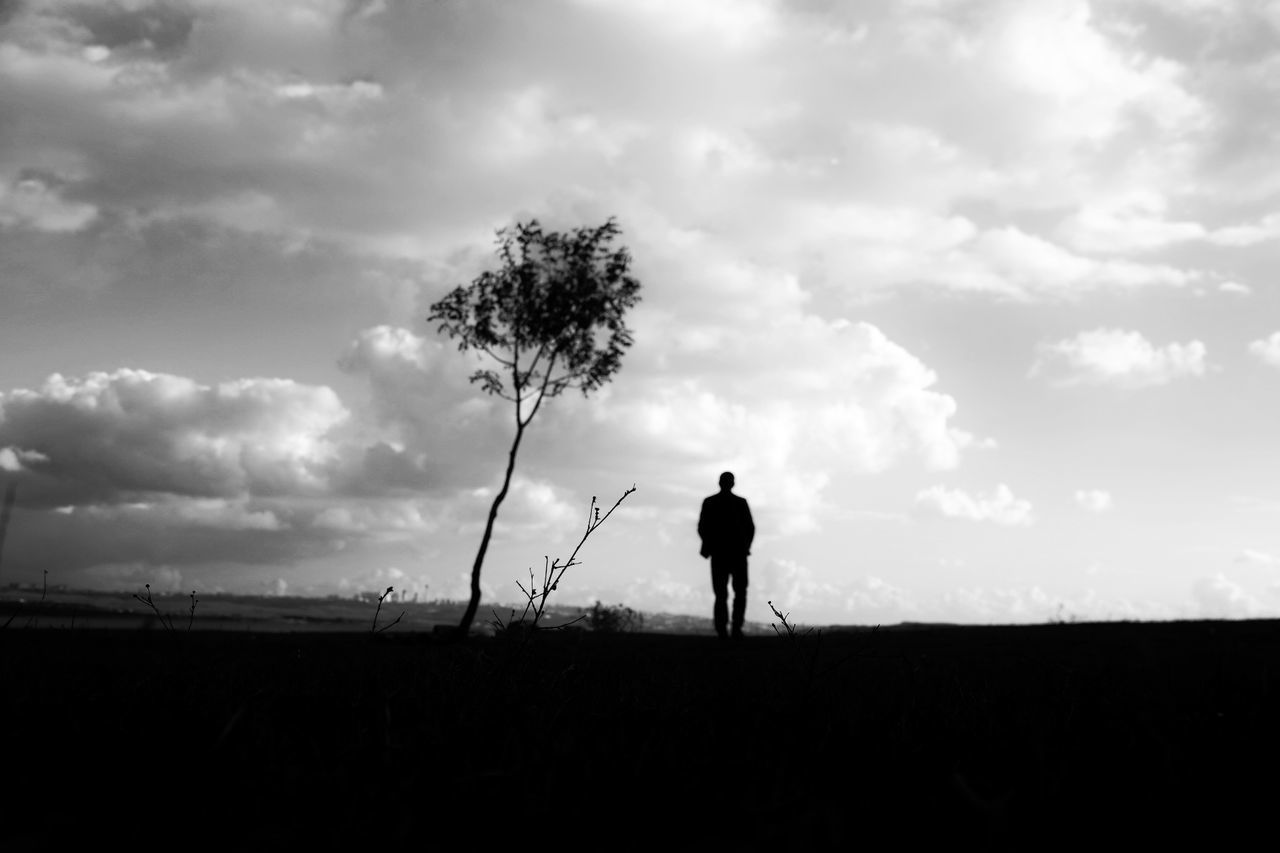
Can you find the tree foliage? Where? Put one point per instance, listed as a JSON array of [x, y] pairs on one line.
[[550, 318]]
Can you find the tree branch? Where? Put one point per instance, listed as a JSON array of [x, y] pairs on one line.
[[542, 390], [493, 355]]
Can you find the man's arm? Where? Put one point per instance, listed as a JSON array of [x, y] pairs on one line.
[[750, 526], [704, 528]]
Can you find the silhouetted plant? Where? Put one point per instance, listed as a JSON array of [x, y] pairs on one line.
[[552, 319], [164, 620], [616, 619], [787, 630], [374, 629], [191, 617], [552, 571]]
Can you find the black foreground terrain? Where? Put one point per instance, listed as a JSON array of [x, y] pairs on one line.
[[1021, 738]]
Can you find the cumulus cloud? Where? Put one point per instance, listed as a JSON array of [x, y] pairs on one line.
[[135, 468], [1117, 358], [1132, 222], [1094, 500], [999, 506], [1012, 261], [1267, 349], [17, 458], [107, 436], [34, 203], [1220, 597], [784, 411], [418, 385]]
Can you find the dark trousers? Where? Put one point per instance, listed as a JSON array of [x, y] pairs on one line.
[[724, 569]]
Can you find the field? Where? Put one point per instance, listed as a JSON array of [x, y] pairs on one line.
[[1026, 737]]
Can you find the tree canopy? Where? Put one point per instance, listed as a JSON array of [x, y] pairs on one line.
[[551, 318]]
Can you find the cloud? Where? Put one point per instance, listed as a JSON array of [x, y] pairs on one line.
[[132, 467], [869, 405], [999, 506], [32, 202], [1266, 228], [1258, 558], [1219, 597], [1132, 222], [17, 459], [1117, 358], [310, 122], [110, 436], [1267, 349], [1011, 262], [1235, 288], [1094, 500]]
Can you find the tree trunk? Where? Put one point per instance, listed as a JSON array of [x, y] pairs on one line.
[[464, 627], [10, 492]]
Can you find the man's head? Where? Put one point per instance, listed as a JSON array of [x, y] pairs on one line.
[[726, 481]]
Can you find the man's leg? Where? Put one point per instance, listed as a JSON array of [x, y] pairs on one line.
[[720, 586], [739, 596]]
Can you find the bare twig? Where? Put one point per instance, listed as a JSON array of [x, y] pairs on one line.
[[374, 629], [790, 630], [165, 621], [552, 572]]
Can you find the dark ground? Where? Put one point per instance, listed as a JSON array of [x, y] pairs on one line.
[[1028, 737]]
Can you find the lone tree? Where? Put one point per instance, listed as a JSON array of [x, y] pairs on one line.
[[550, 319]]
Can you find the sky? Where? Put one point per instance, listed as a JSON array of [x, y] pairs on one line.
[[976, 298]]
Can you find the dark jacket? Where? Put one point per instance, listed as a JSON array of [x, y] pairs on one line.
[[725, 526]]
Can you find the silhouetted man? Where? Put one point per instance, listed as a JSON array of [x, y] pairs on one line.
[[727, 530]]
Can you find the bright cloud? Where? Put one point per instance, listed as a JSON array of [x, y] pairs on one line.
[[1134, 222], [1220, 597], [999, 506], [1117, 358], [868, 405], [1267, 349], [16, 458]]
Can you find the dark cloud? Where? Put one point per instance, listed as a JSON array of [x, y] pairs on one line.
[[165, 532], [159, 28], [112, 437]]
